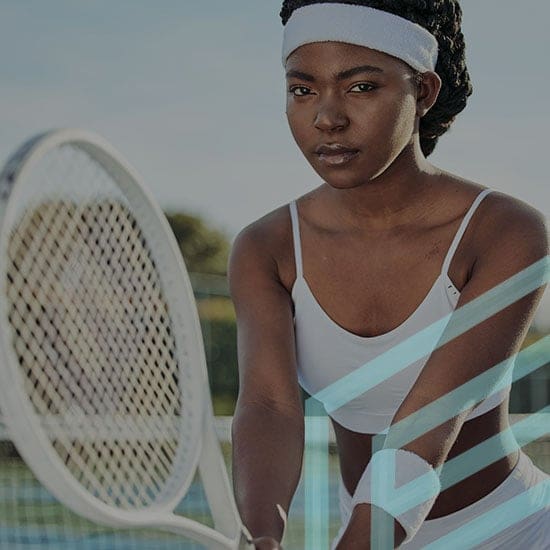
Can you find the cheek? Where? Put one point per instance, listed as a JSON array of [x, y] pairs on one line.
[[403, 123], [389, 125], [298, 122]]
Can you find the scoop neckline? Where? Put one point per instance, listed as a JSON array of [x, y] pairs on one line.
[[386, 335]]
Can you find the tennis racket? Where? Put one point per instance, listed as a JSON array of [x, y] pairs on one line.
[[103, 383]]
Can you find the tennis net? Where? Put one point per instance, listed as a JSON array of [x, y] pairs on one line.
[[31, 517]]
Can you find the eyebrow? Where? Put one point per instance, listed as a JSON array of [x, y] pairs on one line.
[[340, 76]]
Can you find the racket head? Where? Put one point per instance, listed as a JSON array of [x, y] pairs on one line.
[[103, 381]]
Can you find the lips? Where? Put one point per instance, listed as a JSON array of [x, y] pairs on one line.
[[335, 154], [334, 149]]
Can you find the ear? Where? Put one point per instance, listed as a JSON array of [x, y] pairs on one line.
[[427, 92]]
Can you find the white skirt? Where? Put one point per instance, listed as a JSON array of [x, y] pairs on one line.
[[520, 524]]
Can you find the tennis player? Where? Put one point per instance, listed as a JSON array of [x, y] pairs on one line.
[[387, 245]]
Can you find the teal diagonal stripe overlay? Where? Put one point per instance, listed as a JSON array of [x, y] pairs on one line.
[[398, 500], [421, 343], [416, 347], [316, 473], [460, 399], [462, 466], [503, 516]]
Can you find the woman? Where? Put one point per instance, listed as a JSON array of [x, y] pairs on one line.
[[386, 246]]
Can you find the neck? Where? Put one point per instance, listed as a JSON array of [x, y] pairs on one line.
[[403, 193]]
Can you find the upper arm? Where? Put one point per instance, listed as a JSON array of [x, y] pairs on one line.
[[265, 328], [517, 238]]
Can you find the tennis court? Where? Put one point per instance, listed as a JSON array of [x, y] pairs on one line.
[[30, 517]]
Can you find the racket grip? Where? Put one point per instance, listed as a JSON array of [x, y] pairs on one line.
[[283, 515], [246, 539]]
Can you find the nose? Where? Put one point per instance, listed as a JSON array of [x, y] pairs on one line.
[[331, 116]]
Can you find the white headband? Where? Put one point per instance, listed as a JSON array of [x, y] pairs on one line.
[[363, 26]]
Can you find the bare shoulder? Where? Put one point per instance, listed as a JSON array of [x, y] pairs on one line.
[[505, 234], [512, 224], [264, 309], [269, 241], [253, 260], [271, 229]]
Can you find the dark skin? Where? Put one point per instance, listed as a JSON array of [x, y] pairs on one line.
[[386, 212]]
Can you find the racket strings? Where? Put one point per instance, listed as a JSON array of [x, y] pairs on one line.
[[92, 333]]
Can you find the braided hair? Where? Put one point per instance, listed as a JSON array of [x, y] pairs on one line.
[[443, 19]]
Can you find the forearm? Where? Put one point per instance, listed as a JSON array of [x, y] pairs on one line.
[[267, 452]]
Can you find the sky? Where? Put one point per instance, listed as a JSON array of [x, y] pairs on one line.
[[192, 95]]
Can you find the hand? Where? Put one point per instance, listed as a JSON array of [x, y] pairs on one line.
[[266, 543]]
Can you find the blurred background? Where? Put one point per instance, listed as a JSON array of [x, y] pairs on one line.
[[192, 94]]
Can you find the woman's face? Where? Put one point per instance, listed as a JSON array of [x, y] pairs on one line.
[[352, 110]]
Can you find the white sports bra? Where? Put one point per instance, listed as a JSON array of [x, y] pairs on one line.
[[326, 351]]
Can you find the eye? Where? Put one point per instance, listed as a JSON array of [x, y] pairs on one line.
[[363, 87], [302, 89]]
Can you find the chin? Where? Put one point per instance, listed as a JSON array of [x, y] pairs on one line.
[[344, 181], [343, 177]]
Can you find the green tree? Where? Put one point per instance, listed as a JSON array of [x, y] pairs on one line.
[[205, 250]]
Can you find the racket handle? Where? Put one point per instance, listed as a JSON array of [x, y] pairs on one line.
[[246, 539]]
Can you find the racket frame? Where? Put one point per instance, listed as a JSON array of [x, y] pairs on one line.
[[24, 424]]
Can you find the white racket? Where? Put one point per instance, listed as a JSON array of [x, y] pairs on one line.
[[103, 383]]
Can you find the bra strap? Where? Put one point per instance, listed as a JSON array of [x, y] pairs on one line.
[[296, 238], [462, 229]]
